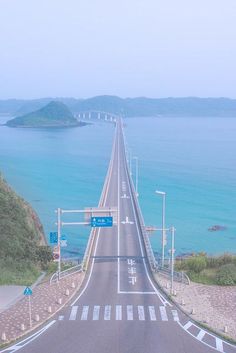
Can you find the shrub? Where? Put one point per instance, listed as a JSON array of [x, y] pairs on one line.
[[196, 264], [226, 275]]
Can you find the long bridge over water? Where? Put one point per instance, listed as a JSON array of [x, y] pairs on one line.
[[120, 308]]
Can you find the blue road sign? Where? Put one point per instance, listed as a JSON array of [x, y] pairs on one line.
[[101, 222], [28, 291], [53, 237]]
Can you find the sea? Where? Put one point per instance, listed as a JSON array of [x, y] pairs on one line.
[[193, 160]]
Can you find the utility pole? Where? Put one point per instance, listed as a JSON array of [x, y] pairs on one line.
[[163, 194]]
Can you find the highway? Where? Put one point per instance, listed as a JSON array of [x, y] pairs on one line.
[[119, 309]]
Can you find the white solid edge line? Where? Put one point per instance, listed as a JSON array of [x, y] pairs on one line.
[[29, 339], [118, 216], [162, 299], [96, 245], [136, 292]]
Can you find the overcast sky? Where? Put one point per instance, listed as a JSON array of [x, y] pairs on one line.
[[82, 48]]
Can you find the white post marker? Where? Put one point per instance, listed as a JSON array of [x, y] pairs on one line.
[[28, 292]]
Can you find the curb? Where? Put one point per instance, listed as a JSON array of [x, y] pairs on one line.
[[6, 344], [228, 339]]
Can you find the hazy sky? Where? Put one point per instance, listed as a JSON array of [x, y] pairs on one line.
[[82, 48]]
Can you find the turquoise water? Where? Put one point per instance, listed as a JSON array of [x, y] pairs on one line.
[[193, 160]]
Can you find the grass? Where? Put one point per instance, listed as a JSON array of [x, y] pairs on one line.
[[23, 273], [212, 270]]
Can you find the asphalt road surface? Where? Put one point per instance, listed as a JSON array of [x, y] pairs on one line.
[[119, 309]]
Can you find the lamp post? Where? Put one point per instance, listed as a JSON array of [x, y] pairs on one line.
[[163, 194], [172, 258], [130, 162], [136, 175]]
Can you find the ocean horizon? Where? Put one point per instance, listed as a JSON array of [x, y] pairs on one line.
[[192, 159]]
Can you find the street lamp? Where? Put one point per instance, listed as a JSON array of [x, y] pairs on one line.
[[136, 175], [130, 162], [163, 194], [172, 257]]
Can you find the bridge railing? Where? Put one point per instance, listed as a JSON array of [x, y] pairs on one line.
[[178, 276], [70, 271], [90, 244], [148, 247]]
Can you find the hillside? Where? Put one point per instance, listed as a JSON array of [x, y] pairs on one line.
[[54, 114], [23, 250], [130, 107], [141, 107]]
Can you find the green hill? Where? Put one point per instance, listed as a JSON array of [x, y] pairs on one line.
[[54, 114], [23, 249]]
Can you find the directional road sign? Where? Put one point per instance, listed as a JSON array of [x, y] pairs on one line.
[[101, 222], [28, 291], [53, 237]]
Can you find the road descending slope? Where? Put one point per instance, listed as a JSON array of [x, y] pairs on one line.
[[119, 309]]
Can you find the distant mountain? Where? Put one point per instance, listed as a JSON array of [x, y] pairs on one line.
[[17, 107], [54, 114], [131, 107], [134, 107]]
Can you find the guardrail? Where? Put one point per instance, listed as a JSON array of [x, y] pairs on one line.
[[65, 273], [90, 243], [140, 219], [178, 276]]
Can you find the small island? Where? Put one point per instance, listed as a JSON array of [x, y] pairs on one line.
[[54, 114]]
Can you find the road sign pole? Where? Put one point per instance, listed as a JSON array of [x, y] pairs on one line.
[[59, 241], [30, 315]]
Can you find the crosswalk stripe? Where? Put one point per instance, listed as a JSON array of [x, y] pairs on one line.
[[107, 312], [175, 315], [219, 344], [152, 313], [96, 310], [118, 312], [163, 313], [187, 325], [130, 315], [73, 312], [61, 317], [84, 315], [141, 314], [201, 334]]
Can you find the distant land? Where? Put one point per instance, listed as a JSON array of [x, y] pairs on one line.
[[54, 114], [131, 107]]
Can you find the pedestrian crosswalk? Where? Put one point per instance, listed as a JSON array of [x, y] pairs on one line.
[[120, 312]]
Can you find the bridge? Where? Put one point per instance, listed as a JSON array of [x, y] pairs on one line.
[[119, 308], [87, 115]]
